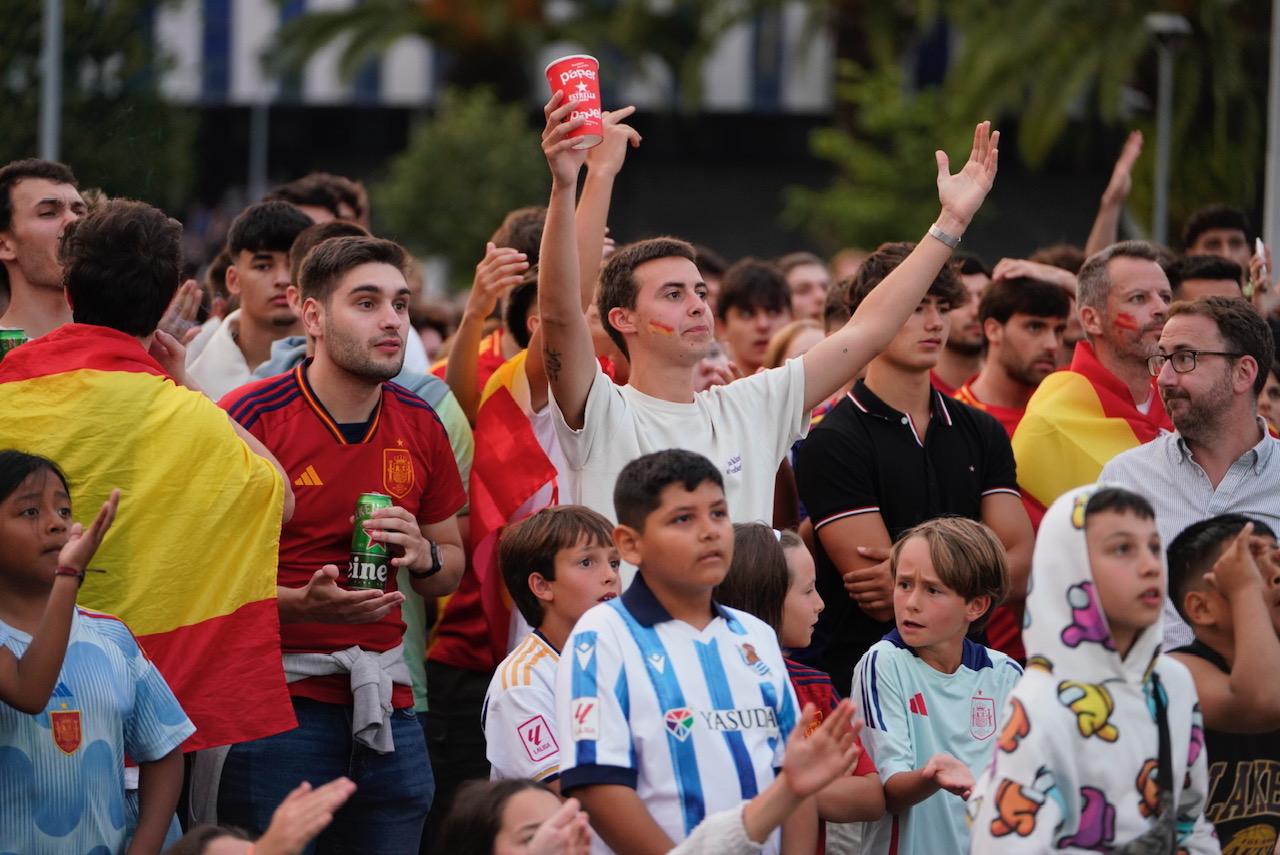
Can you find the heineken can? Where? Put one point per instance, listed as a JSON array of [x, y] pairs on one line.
[[9, 339], [370, 566]]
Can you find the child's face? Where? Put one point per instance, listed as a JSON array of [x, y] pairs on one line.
[[34, 525], [803, 604], [1125, 553], [521, 817], [928, 613], [586, 574], [687, 541]]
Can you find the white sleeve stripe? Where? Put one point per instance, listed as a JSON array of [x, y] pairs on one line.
[[851, 513], [995, 490]]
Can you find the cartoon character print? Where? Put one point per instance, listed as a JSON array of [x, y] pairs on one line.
[[1077, 509], [1097, 824], [1093, 705], [1015, 729], [1042, 663], [1017, 806], [1087, 621], [1148, 789], [1149, 689], [1197, 738]]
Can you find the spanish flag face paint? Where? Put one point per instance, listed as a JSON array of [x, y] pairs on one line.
[[661, 328]]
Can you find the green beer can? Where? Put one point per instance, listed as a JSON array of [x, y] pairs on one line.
[[9, 339], [370, 566]]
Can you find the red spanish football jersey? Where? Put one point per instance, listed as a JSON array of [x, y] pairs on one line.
[[404, 453]]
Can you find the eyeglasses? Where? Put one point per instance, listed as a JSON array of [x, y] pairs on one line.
[[1183, 360]]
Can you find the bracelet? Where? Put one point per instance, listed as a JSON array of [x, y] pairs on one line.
[[64, 570], [951, 241]]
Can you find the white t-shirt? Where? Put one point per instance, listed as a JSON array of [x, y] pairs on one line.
[[520, 712], [744, 428]]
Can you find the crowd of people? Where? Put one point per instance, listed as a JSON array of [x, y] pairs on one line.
[[902, 553]]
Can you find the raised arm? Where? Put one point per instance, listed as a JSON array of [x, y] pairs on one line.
[[1106, 226], [570, 361], [838, 358]]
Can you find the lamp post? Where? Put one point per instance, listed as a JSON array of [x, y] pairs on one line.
[[51, 81], [1170, 31]]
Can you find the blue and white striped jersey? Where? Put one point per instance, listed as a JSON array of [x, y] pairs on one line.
[[62, 787], [694, 721], [912, 711]]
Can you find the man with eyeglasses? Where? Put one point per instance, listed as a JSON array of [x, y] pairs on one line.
[[1210, 368], [1106, 402]]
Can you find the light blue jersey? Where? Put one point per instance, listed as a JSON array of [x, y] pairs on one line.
[[62, 771], [693, 721], [912, 711]]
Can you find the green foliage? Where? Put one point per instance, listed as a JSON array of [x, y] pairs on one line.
[[885, 185], [461, 172], [117, 133]]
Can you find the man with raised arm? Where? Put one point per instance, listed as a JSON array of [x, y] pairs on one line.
[[653, 304]]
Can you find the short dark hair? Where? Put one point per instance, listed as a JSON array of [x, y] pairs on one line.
[[521, 230], [638, 491], [879, 264], [757, 580], [1212, 267], [17, 170], [321, 190], [1242, 329], [1213, 217], [215, 275], [969, 264], [708, 261], [518, 302], [330, 260], [121, 264], [792, 260], [530, 546], [1198, 546], [316, 234], [967, 556], [752, 284], [617, 278], [475, 815], [1093, 282], [266, 227], [1065, 256], [1022, 295], [17, 466], [835, 310], [1118, 500]]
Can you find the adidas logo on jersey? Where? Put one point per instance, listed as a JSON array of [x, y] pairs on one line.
[[916, 705], [308, 478]]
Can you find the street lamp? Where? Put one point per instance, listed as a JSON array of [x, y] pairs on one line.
[[1170, 32]]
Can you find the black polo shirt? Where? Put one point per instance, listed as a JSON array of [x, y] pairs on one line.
[[866, 457]]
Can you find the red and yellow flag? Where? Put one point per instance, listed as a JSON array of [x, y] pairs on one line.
[[1076, 421], [190, 564]]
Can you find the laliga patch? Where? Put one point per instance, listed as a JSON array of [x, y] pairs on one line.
[[679, 722], [982, 717], [586, 719], [538, 740]]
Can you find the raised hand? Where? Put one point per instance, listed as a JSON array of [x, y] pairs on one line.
[[498, 272], [949, 774], [607, 158], [302, 815], [962, 194], [564, 833], [82, 543], [1014, 268], [1122, 175], [564, 160], [813, 761], [179, 318], [1235, 573]]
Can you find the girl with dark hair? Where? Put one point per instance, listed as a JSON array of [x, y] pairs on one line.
[[513, 816]]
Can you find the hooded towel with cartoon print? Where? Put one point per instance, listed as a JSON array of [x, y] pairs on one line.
[[1076, 763]]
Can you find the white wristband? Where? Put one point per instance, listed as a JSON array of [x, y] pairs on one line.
[[950, 240]]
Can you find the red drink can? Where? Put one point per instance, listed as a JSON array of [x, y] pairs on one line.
[[578, 75]]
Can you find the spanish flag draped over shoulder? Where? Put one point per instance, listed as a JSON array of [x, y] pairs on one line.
[[190, 563], [509, 468], [1076, 421]]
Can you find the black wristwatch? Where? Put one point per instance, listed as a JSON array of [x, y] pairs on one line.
[[437, 563]]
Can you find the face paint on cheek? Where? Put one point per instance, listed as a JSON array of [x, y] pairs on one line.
[[661, 329], [1125, 321]]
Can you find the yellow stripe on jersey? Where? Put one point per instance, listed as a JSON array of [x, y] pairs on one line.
[[527, 654]]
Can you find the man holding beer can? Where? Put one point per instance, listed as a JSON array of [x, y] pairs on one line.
[[377, 489]]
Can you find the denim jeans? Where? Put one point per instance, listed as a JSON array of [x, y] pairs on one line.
[[393, 791]]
